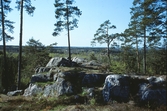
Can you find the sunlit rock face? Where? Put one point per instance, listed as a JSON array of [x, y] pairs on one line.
[[54, 62], [32, 90], [116, 87], [79, 60], [60, 61], [60, 87]]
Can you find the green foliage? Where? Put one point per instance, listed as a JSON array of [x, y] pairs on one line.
[[35, 55], [147, 25], [102, 58], [11, 71], [93, 57], [118, 67], [92, 101], [8, 25], [102, 34], [43, 84], [27, 5], [157, 61], [65, 15]]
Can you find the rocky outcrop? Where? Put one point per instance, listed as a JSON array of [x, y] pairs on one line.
[[116, 87], [64, 83]]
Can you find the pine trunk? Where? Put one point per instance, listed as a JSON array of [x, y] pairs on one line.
[[108, 48], [144, 52], [68, 31], [20, 45], [137, 54]]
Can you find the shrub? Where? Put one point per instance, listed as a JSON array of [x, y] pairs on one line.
[[92, 56]]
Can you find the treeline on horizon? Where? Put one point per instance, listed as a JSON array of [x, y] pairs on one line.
[[54, 49]]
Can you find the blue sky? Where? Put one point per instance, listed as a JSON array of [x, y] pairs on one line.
[[94, 13]]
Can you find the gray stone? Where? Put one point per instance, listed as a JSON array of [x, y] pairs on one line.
[[60, 87], [15, 93], [32, 90], [79, 60], [59, 61], [48, 91], [39, 78], [116, 87], [153, 92], [54, 62], [155, 80]]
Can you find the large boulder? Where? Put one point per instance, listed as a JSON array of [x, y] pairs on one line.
[[116, 87], [154, 92]]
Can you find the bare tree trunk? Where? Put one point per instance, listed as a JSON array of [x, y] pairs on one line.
[[5, 74], [20, 45]]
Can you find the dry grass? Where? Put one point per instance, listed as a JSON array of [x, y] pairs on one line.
[[20, 103]]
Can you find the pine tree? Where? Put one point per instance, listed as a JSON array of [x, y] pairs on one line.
[[149, 15], [102, 36], [65, 14], [6, 26]]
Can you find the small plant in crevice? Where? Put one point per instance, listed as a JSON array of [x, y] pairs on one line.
[[92, 101]]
